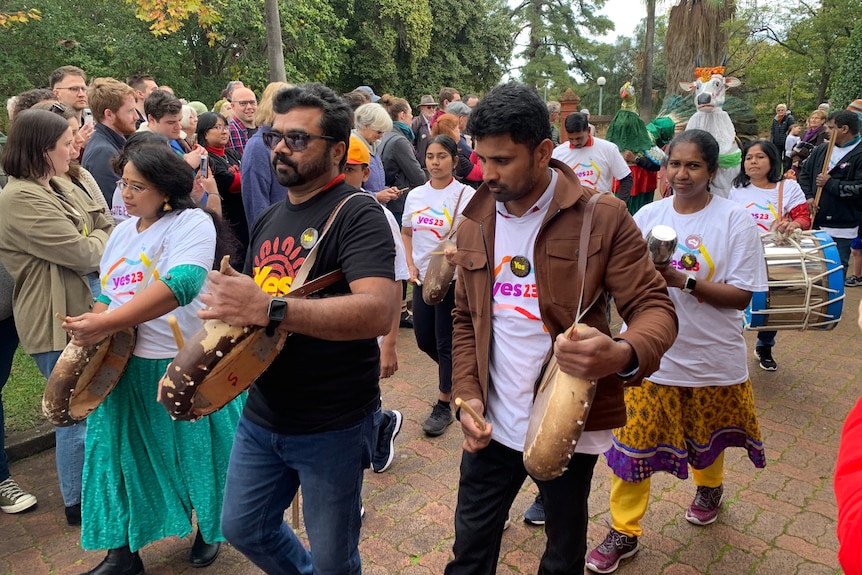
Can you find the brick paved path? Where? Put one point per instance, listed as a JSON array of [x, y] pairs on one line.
[[775, 521]]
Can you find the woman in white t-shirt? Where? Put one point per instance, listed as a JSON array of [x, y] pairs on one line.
[[700, 401], [763, 191], [431, 211], [144, 473]]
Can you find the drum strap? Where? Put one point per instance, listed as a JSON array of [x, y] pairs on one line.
[[453, 229], [583, 250], [299, 281]]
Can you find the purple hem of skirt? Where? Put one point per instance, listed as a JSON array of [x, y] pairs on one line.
[[635, 465]]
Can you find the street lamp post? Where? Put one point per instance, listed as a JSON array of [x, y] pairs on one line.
[[601, 81]]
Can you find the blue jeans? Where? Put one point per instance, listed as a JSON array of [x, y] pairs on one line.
[[70, 442], [766, 338], [265, 471], [8, 345]]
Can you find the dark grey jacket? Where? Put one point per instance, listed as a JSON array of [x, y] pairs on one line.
[[103, 146]]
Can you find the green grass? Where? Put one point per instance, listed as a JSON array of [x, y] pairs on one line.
[[22, 396]]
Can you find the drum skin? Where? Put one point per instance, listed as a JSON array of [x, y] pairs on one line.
[[557, 420], [216, 365], [438, 276], [84, 376]]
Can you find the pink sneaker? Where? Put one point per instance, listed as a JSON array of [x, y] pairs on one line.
[[704, 509], [606, 557]]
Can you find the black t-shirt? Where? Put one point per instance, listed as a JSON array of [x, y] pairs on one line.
[[316, 385]]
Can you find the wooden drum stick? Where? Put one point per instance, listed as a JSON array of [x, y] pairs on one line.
[[480, 421], [825, 169], [175, 328]]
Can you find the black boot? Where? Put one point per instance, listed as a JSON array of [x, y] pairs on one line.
[[73, 514], [119, 562], [203, 554]]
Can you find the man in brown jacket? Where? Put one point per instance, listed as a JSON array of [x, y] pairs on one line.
[[518, 289]]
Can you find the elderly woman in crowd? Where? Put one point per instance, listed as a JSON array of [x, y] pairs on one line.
[[370, 122], [189, 124], [52, 236]]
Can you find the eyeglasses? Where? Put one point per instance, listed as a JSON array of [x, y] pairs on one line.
[[122, 184], [219, 127], [246, 103], [297, 142], [72, 88]]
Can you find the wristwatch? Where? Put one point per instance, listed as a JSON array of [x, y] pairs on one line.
[[276, 312], [690, 284]]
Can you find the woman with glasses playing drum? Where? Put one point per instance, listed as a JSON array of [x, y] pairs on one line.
[[776, 204], [700, 401], [144, 473]]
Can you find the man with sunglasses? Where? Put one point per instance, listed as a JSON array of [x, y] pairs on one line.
[[242, 127], [310, 419]]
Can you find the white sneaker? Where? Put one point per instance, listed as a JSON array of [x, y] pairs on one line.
[[13, 499]]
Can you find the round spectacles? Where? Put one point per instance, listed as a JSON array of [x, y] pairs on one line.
[[297, 142], [122, 184]]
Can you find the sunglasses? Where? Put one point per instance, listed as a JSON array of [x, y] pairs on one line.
[[296, 142]]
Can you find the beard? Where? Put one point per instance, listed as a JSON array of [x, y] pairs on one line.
[[290, 173]]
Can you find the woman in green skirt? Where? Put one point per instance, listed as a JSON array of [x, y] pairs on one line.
[[144, 473]]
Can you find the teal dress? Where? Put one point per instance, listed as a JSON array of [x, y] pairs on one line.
[[144, 473]]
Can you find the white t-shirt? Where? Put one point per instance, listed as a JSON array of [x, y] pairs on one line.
[[789, 144], [720, 243], [429, 213], [187, 237], [520, 342], [401, 271], [118, 209], [597, 165], [762, 204]]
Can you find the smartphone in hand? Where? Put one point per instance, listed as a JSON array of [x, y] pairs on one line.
[[204, 166]]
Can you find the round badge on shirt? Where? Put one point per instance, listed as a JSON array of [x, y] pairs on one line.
[[520, 266], [309, 238]]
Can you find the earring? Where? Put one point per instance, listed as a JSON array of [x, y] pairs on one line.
[[166, 207]]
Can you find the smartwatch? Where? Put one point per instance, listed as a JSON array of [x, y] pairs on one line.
[[276, 312], [690, 284]]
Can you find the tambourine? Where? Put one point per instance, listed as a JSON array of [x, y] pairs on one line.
[[84, 376], [557, 419], [439, 274]]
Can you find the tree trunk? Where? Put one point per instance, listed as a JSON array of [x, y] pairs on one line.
[[695, 28], [649, 55], [274, 49]]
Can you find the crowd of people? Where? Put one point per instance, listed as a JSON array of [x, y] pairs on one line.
[[122, 200]]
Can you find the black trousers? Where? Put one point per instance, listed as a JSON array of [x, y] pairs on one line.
[[489, 482]]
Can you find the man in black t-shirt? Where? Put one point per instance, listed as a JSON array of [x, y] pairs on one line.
[[310, 419]]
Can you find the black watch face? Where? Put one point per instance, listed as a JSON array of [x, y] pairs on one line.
[[277, 309]]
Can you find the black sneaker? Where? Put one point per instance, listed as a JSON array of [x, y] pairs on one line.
[[764, 354], [441, 417], [384, 453], [535, 514], [406, 320], [853, 281]]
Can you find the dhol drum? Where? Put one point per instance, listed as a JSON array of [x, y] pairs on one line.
[[221, 361], [84, 376], [806, 284]]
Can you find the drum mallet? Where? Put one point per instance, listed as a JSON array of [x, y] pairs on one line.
[[480, 421], [175, 328]]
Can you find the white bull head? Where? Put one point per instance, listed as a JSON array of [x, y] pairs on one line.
[[710, 88]]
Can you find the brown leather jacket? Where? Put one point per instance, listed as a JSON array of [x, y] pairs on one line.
[[618, 263]]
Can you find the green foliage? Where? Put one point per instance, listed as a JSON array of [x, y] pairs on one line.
[[22, 395], [848, 84], [558, 35]]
